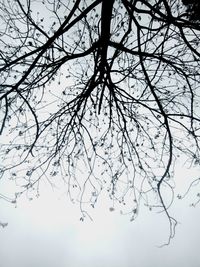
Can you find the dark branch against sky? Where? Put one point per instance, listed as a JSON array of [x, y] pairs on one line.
[[101, 93]]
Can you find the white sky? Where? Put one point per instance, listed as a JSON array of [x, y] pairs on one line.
[[46, 232]]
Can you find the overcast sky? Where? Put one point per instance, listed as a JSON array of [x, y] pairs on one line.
[[46, 232]]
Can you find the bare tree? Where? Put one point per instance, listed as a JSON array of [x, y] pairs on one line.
[[101, 93]]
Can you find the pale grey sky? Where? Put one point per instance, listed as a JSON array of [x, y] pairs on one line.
[[46, 232]]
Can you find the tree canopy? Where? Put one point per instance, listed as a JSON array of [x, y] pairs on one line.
[[104, 94], [193, 9]]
